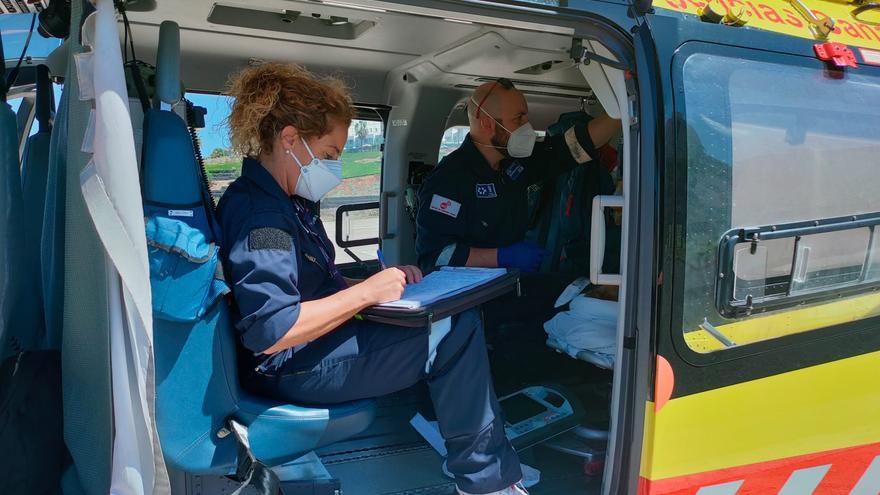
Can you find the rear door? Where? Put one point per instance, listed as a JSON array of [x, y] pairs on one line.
[[768, 313]]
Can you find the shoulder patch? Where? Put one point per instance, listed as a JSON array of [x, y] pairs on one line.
[[270, 238], [486, 191], [445, 206]]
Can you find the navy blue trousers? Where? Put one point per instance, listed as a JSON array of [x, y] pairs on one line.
[[364, 359]]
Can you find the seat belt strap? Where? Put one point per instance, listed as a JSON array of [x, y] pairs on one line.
[[250, 471]]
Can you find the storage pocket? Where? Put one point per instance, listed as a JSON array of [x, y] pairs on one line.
[[185, 272]]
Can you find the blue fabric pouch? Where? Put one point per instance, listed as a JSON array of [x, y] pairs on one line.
[[185, 271]]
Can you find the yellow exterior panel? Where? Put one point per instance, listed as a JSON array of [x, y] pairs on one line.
[[815, 409]]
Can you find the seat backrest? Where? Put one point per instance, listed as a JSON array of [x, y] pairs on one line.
[[34, 177], [194, 344]]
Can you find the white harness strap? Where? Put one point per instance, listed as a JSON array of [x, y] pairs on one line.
[[439, 331]]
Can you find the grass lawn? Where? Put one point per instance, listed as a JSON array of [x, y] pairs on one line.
[[354, 164]]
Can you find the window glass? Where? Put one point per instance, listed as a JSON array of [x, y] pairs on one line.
[[361, 171], [361, 182], [829, 260], [766, 145], [223, 165], [452, 139], [14, 29], [762, 270]]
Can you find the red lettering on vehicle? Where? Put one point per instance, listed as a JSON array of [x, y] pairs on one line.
[[770, 13], [868, 32], [792, 19], [755, 10], [849, 29], [680, 4]]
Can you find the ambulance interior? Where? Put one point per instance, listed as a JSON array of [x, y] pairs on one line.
[[412, 66]]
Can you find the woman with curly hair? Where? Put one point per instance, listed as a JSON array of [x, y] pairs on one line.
[[296, 313]]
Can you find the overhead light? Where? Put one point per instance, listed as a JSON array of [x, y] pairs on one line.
[[459, 21], [357, 7]]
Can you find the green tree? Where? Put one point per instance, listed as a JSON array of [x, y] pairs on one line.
[[219, 153]]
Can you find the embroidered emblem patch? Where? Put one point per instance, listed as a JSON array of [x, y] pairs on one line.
[[445, 206], [486, 191], [514, 170]]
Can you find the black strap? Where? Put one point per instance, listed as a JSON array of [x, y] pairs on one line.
[[45, 99], [134, 68], [250, 471]]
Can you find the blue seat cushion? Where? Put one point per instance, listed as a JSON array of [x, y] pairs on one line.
[[282, 432]]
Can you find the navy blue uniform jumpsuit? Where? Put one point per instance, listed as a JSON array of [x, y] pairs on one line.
[[277, 255], [466, 203]]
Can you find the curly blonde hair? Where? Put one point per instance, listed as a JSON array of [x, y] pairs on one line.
[[272, 96]]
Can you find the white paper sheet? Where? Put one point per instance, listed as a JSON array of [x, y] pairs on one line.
[[443, 283]]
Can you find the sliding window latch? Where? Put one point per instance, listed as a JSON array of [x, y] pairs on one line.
[[755, 238], [821, 27]]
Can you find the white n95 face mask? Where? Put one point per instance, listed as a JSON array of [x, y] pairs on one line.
[[522, 140], [318, 177]]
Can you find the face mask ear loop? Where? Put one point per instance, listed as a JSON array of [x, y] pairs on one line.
[[308, 149], [301, 168], [295, 159]]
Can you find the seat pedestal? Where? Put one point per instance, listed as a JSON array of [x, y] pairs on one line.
[[304, 476]]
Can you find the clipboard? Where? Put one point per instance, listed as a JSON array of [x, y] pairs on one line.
[[423, 316]]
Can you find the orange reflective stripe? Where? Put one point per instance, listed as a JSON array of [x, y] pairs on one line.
[[854, 470]]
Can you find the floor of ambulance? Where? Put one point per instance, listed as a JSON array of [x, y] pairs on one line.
[[390, 460]]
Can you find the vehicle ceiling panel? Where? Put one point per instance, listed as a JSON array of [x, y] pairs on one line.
[[461, 52]]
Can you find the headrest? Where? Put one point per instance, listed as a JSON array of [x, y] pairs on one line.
[[168, 64]]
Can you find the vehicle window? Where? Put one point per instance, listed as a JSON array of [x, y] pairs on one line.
[[223, 166], [361, 182], [361, 171], [14, 29], [452, 139], [787, 151]]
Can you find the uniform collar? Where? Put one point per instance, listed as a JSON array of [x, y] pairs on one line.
[[257, 173], [478, 162]]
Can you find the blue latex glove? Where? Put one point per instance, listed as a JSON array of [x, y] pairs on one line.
[[526, 256]]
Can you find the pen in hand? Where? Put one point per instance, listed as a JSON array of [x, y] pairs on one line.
[[382, 264]]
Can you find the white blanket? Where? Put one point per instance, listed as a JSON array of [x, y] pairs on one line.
[[588, 330]]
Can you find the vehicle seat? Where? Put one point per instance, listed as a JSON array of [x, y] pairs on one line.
[[197, 385]]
